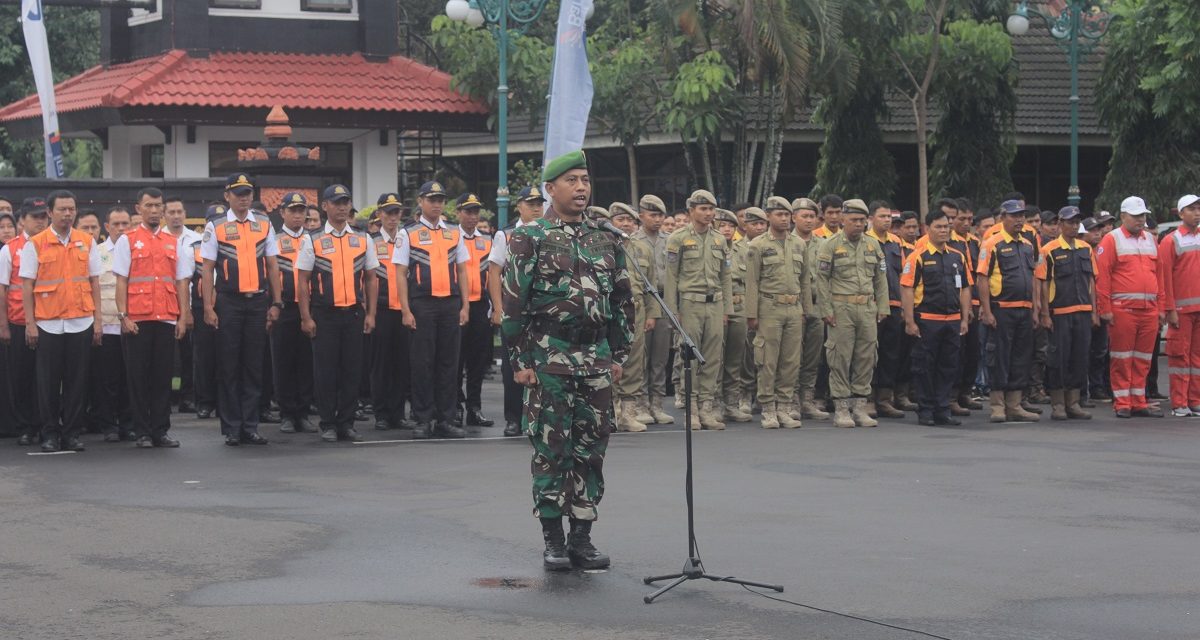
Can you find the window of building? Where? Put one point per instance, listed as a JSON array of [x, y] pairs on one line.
[[337, 6], [235, 4], [152, 161]]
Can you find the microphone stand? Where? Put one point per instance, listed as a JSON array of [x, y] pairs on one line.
[[693, 567]]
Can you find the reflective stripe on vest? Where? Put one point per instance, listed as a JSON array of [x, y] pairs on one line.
[[478, 248], [337, 275], [151, 294], [432, 262], [289, 276], [16, 292], [242, 253], [389, 284], [62, 289]]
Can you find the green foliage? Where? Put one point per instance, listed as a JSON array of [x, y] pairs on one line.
[[701, 97], [1149, 98], [853, 161], [619, 57], [523, 173]]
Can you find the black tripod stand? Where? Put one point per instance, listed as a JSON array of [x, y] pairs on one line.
[[693, 567]]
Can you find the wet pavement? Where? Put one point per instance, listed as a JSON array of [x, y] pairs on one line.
[[1079, 530]]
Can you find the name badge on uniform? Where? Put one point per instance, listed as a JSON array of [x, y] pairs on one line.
[[447, 234], [255, 226], [285, 245], [957, 278], [381, 248], [231, 231], [423, 237], [355, 242], [327, 246], [479, 244]]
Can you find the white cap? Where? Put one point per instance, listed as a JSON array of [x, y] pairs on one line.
[[1134, 205], [1187, 201], [1081, 229]]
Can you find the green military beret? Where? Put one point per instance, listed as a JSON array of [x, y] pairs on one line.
[[754, 213], [650, 202], [804, 203], [597, 213], [564, 163], [776, 202], [621, 209], [700, 196], [855, 206], [725, 215]]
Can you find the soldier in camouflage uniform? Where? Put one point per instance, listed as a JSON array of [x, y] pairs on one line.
[[733, 383], [699, 291], [631, 388], [568, 313]]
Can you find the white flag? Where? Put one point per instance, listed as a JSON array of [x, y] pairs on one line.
[[43, 77], [570, 83]]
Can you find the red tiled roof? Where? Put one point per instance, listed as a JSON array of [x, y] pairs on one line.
[[258, 80]]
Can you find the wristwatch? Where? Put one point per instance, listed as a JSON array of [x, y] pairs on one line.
[[121, 315], [277, 305]]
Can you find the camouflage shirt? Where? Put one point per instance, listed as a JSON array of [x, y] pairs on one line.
[[564, 279]]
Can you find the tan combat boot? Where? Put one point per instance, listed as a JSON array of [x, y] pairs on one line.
[[656, 410], [957, 408], [783, 415], [1013, 410], [859, 412], [810, 408], [841, 414], [769, 420], [996, 402], [901, 400], [627, 417], [1058, 405], [694, 423], [710, 418], [619, 414], [732, 412], [883, 404], [641, 411], [746, 404], [1074, 411]]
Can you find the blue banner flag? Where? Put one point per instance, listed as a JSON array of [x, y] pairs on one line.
[[39, 60], [570, 82]]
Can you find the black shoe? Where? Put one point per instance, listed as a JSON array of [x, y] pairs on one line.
[[1153, 394], [421, 431], [26, 440], [366, 406], [267, 416], [447, 430], [580, 549], [253, 438], [232, 441], [144, 442], [1123, 413], [287, 426], [112, 437], [185, 406], [303, 425], [555, 557], [350, 435], [382, 424], [329, 435], [512, 429], [1087, 403], [130, 436], [204, 413], [360, 415], [405, 423], [72, 444], [166, 442], [458, 414], [476, 419], [1148, 413], [926, 422], [50, 445], [948, 421]]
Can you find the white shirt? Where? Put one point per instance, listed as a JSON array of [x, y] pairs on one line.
[[184, 264], [499, 254], [400, 255], [208, 244], [109, 329], [6, 263], [306, 257], [29, 269]]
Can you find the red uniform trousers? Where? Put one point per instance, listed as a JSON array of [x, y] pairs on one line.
[[1183, 360], [1131, 340]]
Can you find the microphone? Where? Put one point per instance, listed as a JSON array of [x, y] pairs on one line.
[[608, 226]]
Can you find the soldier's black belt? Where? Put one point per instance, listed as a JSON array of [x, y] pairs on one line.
[[702, 297], [782, 298], [570, 333]]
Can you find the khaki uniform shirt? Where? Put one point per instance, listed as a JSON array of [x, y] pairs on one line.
[[698, 265], [658, 248], [776, 268], [642, 252], [737, 276], [847, 268]]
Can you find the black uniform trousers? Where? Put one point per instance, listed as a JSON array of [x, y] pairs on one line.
[[1069, 351], [150, 363], [1100, 386], [187, 370], [8, 421], [390, 372], [241, 345], [291, 364], [337, 364], [434, 349], [22, 369], [109, 406], [204, 359], [267, 393], [1041, 346], [935, 367], [514, 394], [1010, 348], [475, 353], [892, 340], [62, 381], [968, 359]]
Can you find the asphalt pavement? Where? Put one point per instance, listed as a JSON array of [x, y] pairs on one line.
[[1048, 531]]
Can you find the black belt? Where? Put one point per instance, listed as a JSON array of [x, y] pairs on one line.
[[569, 333], [239, 294]]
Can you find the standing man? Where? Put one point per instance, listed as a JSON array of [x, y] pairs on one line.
[[389, 357], [61, 267], [936, 295], [241, 302], [652, 211], [699, 291], [109, 391], [175, 217], [1066, 272], [22, 360], [894, 343], [1179, 275], [964, 240], [336, 308], [153, 271], [432, 273], [529, 209], [852, 285], [777, 287], [804, 215], [733, 383], [1127, 298], [291, 349], [631, 388], [1005, 284], [204, 337], [475, 348], [568, 313]]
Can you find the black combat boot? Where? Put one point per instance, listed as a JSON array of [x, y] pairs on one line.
[[579, 547], [554, 558]]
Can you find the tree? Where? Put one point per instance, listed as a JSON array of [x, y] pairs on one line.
[[626, 95], [1149, 98]]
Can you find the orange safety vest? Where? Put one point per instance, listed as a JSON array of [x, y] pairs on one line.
[[389, 284], [16, 292], [151, 293], [241, 253], [337, 275], [62, 289], [478, 247], [432, 262], [289, 275]]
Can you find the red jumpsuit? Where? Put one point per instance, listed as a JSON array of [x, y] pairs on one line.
[[1179, 282], [1127, 287]]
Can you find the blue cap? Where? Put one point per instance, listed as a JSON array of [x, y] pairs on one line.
[[1012, 207], [216, 210], [432, 188], [240, 184], [468, 201], [294, 199], [1069, 212], [336, 192], [389, 201], [531, 192]]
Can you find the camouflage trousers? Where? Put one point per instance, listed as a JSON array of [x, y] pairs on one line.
[[568, 420]]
